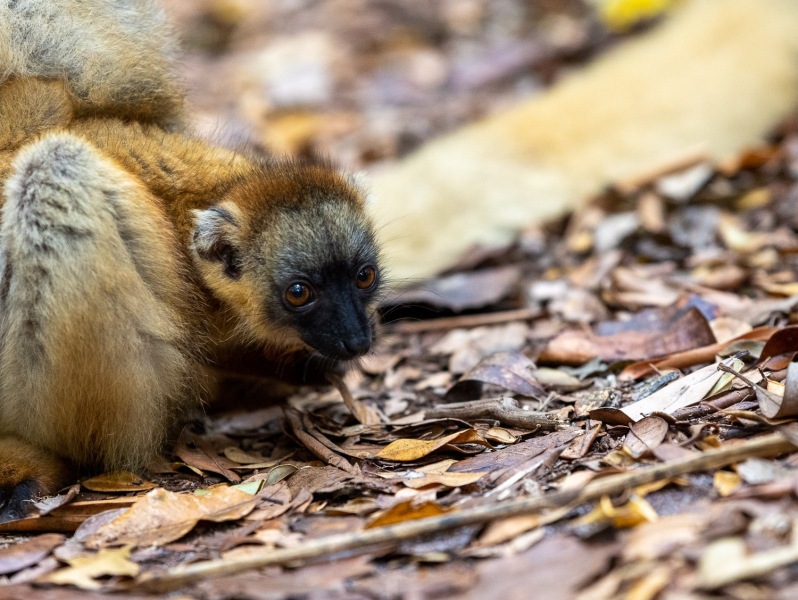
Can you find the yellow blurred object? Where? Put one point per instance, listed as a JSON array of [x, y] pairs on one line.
[[725, 482], [620, 15], [635, 512]]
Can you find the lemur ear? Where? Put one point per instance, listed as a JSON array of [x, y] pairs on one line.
[[360, 180], [215, 237]]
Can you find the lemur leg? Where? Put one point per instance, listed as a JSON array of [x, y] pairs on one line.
[[94, 355]]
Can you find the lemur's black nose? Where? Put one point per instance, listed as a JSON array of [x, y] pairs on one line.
[[355, 346]]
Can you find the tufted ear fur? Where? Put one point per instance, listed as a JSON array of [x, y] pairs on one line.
[[216, 237], [360, 181]]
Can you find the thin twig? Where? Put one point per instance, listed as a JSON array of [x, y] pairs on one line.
[[728, 399], [506, 410], [364, 414], [463, 321], [316, 447], [767, 445]]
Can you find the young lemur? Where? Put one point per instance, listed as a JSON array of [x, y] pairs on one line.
[[137, 262]]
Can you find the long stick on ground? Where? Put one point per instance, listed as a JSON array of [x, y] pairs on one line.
[[771, 444]]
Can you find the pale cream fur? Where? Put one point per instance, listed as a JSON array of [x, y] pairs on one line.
[[718, 74]]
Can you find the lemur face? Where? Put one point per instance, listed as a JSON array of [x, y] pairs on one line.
[[327, 276], [306, 271]]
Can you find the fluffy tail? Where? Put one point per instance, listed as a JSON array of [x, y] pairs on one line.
[[719, 75]]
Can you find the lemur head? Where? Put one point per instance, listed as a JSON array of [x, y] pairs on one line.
[[290, 250]]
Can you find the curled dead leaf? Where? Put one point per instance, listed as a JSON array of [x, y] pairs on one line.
[[161, 516], [407, 450]]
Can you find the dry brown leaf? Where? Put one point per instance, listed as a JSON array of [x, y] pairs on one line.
[[500, 435], [650, 334], [237, 455], [689, 358], [83, 571], [580, 445], [19, 556], [658, 539], [407, 450], [462, 291], [273, 501], [644, 436], [735, 236], [45, 506], [119, 481], [728, 560], [161, 516], [783, 341], [407, 511], [418, 480], [511, 371], [505, 530], [200, 453], [775, 406]]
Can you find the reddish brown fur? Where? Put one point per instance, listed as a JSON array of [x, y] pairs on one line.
[[175, 174]]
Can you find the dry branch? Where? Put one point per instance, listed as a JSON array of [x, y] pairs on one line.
[[505, 410], [767, 445]]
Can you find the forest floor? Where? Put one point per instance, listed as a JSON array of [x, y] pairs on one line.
[[603, 408]]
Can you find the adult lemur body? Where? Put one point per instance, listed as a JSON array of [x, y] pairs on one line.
[[137, 261]]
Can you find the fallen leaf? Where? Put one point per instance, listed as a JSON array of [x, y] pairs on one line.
[[658, 539], [630, 514], [237, 455], [727, 561], [511, 371], [83, 571], [580, 445], [19, 556], [273, 501], [644, 436], [689, 358], [119, 481], [406, 511], [418, 480], [200, 453], [774, 406], [161, 516], [461, 291], [650, 334], [504, 530], [407, 450], [783, 341]]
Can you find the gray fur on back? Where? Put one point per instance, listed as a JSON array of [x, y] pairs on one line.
[[118, 53]]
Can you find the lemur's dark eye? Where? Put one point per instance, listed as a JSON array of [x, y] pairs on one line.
[[366, 278], [298, 295]]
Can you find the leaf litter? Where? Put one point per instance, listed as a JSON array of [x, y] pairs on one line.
[[603, 408]]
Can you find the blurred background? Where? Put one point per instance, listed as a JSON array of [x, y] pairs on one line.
[[367, 81]]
